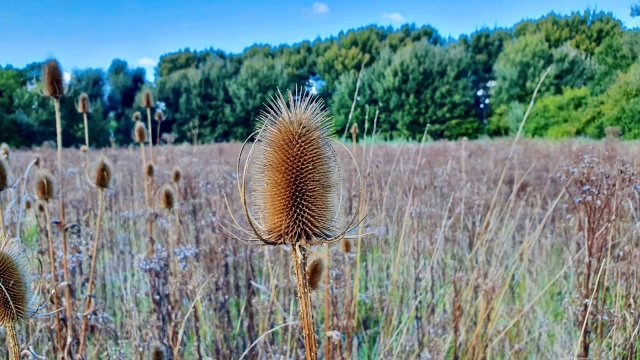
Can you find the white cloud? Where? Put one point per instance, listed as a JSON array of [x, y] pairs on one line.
[[320, 8], [147, 62], [66, 76], [394, 17]]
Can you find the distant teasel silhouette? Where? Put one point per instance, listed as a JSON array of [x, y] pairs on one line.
[[136, 116], [296, 189], [84, 107]]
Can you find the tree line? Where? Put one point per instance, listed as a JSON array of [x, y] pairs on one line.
[[409, 79]]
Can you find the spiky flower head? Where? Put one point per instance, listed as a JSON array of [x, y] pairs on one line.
[[5, 151], [346, 246], [140, 133], [176, 175], [167, 197], [149, 169], [102, 174], [44, 188], [15, 283], [295, 172], [52, 78], [147, 99], [4, 182], [314, 273], [84, 105], [159, 116], [158, 351], [136, 116]]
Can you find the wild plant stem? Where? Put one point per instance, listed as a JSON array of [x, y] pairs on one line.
[[54, 281], [86, 131], [12, 342], [327, 304], [94, 257], [150, 133], [299, 259], [3, 229]]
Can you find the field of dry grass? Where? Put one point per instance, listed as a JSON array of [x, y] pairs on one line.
[[470, 251]]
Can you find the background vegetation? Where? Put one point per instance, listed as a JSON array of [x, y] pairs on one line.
[[472, 86]]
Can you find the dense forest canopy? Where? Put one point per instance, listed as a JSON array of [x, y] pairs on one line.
[[412, 77]]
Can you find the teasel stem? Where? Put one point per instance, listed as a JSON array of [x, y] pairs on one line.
[[3, 229], [86, 130], [150, 132], [65, 249], [54, 281], [299, 259], [94, 257], [327, 304], [12, 342]]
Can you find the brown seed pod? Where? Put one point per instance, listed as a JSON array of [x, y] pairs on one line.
[[41, 206], [176, 175], [159, 116], [314, 273], [296, 194], [147, 99], [102, 174], [84, 105], [44, 187], [167, 197], [5, 151], [158, 352], [4, 178], [149, 169], [136, 116], [15, 297], [346, 246], [140, 133], [27, 204], [52, 79]]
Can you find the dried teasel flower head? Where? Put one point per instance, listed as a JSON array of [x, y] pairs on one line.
[[314, 273], [167, 197], [5, 151], [147, 99], [159, 116], [83, 105], [84, 149], [53, 79], [103, 175], [176, 175], [346, 246], [158, 351], [44, 187], [140, 133], [15, 282], [137, 116], [149, 169]]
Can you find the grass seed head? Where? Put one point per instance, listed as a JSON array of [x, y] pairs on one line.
[[4, 178], [140, 133], [52, 78], [167, 197], [296, 192], [314, 272], [102, 174], [15, 283], [147, 99], [84, 105], [44, 187]]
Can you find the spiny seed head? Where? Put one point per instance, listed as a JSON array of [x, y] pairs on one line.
[[27, 204], [102, 174], [158, 352], [149, 169], [36, 161], [41, 206], [140, 133], [354, 129], [52, 78], [5, 151], [159, 116], [314, 272], [84, 149], [147, 99], [4, 182], [136, 116], [15, 283], [296, 171], [84, 105], [346, 246], [167, 197], [176, 175], [44, 188]]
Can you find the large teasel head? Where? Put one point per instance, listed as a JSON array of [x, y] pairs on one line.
[[102, 177], [295, 174], [52, 79], [15, 283], [147, 99], [84, 105], [44, 187]]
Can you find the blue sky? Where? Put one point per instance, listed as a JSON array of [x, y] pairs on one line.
[[91, 33]]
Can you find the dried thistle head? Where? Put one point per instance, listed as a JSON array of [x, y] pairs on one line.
[[44, 187], [15, 283], [102, 174], [52, 79], [167, 197], [84, 105], [136, 116], [140, 133], [4, 178], [147, 99], [159, 116], [296, 173], [314, 273], [149, 169], [5, 151], [346, 246], [176, 175]]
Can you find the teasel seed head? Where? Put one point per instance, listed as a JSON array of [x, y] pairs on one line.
[[15, 283], [147, 99], [41, 206], [159, 116], [136, 116], [314, 272], [158, 351], [44, 187], [4, 178], [167, 197], [354, 129], [346, 246], [84, 105], [296, 171], [52, 78], [102, 174], [149, 169], [176, 175], [140, 133], [5, 151], [27, 204]]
